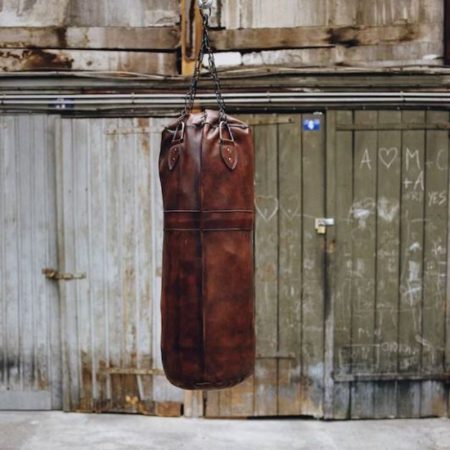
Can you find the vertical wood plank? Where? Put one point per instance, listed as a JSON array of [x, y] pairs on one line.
[[435, 265], [411, 251], [341, 293], [312, 341], [388, 263], [52, 141], [114, 257], [97, 270], [242, 399], [447, 315], [225, 407], [266, 268], [3, 277], [131, 391], [213, 404], [68, 291], [81, 262], [193, 404], [145, 256], [330, 264], [363, 237], [290, 270], [24, 235]]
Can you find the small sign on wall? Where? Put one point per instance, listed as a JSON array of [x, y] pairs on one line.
[[311, 124]]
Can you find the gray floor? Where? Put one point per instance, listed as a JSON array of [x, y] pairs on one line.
[[57, 430]]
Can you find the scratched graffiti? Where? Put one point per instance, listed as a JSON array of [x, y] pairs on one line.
[[409, 262]]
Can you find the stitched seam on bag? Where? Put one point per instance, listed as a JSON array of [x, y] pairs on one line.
[[203, 344]]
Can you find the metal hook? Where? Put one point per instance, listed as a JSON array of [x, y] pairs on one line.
[[205, 6]]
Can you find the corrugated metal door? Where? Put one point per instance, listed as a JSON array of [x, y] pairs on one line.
[[30, 369], [289, 261], [110, 225], [388, 184]]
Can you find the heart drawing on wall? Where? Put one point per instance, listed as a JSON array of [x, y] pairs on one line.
[[388, 155], [266, 206]]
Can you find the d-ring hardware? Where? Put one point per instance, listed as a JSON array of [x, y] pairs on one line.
[[177, 130], [223, 124]]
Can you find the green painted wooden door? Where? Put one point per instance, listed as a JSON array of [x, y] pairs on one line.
[[387, 258], [289, 263], [353, 323]]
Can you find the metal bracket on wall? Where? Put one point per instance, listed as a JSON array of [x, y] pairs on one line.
[[53, 274]]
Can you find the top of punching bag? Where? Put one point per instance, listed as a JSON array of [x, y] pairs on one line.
[[208, 116]]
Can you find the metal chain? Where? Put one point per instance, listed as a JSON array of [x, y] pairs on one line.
[[190, 96]]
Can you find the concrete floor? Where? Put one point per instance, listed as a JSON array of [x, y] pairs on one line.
[[60, 431]]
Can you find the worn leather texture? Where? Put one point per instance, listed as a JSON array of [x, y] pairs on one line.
[[207, 304]]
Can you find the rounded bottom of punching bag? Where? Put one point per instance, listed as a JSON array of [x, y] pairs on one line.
[[194, 370], [203, 385]]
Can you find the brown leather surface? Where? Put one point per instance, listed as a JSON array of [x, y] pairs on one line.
[[207, 304]]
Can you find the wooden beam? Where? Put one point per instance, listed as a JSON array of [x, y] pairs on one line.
[[191, 34], [12, 60], [108, 38], [307, 37]]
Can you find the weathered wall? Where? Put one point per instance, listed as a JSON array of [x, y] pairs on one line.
[[88, 13], [329, 32], [144, 36], [106, 35]]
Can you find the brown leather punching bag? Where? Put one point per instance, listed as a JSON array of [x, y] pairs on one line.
[[207, 176]]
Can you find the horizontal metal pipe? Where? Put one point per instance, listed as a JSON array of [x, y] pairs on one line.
[[231, 101], [259, 100], [262, 95]]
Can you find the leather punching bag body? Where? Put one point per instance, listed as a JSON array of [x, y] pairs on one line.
[[206, 170], [208, 285]]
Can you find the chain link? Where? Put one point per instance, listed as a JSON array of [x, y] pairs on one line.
[[190, 96]]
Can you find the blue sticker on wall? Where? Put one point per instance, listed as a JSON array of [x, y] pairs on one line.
[[311, 124]]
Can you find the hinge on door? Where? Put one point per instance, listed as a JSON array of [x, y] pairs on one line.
[[53, 274]]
